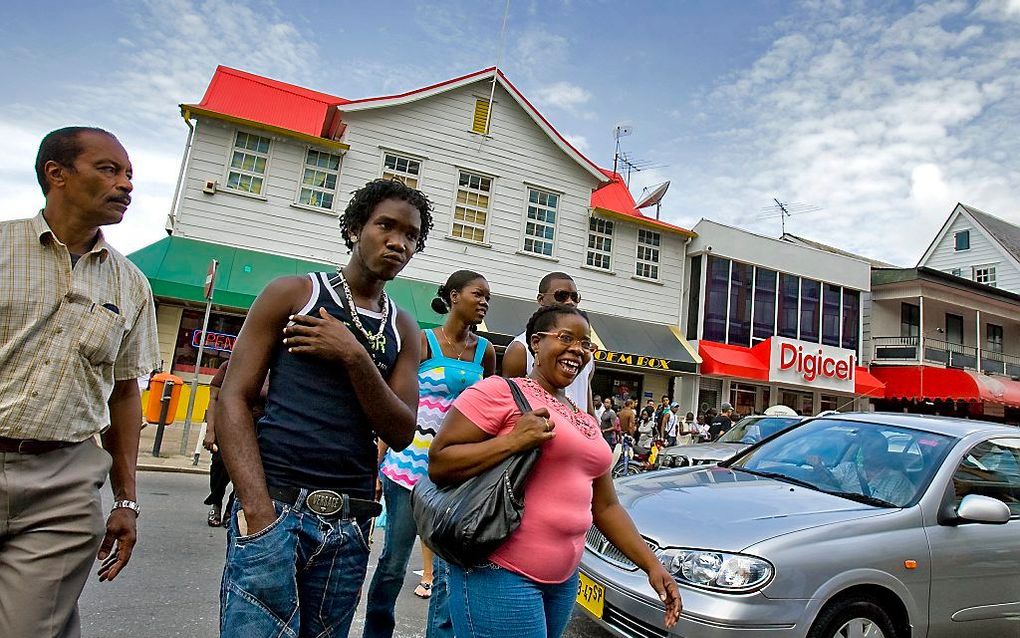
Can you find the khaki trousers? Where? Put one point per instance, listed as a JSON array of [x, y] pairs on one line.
[[51, 524]]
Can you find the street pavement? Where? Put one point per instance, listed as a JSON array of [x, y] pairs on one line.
[[171, 587]]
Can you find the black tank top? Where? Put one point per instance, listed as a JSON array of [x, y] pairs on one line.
[[315, 433]]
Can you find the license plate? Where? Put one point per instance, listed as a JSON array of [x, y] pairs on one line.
[[591, 595]]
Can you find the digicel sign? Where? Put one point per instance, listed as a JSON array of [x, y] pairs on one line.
[[812, 364]]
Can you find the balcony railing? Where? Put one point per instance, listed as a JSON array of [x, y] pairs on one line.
[[952, 355]]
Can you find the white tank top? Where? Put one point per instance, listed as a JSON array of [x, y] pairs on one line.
[[578, 390]]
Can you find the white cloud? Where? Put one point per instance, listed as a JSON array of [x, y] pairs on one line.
[[567, 97], [579, 142], [885, 121]]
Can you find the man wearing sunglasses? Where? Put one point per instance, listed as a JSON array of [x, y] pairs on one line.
[[555, 288]]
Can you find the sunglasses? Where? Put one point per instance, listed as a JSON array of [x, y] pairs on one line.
[[569, 340], [561, 296]]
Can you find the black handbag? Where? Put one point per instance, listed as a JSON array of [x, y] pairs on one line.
[[463, 524]]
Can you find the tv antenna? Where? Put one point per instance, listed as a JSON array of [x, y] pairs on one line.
[[622, 161], [782, 210], [652, 196]]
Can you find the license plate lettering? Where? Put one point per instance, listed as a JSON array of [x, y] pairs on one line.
[[591, 595]]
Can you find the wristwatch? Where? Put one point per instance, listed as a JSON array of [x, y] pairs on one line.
[[131, 505]]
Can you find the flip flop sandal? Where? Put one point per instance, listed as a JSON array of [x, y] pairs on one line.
[[425, 590], [215, 518]]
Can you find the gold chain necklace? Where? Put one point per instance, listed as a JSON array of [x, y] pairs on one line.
[[450, 343], [377, 341]]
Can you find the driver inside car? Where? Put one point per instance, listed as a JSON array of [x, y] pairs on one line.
[[873, 471]]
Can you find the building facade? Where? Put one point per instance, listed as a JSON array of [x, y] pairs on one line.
[[269, 166], [975, 245], [775, 322]]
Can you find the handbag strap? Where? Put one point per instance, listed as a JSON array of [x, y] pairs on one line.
[[522, 401]]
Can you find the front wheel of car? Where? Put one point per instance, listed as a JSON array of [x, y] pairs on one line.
[[855, 618]]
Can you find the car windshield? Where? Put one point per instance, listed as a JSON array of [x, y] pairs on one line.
[[872, 463], [752, 429]]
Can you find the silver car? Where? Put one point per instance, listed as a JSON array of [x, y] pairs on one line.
[[744, 433], [863, 526]]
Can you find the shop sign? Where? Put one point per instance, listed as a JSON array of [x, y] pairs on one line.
[[638, 361], [812, 364], [214, 340]]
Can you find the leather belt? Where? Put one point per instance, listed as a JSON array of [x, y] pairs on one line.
[[31, 446], [327, 503]]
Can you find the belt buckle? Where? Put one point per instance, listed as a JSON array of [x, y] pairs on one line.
[[21, 443], [324, 502]]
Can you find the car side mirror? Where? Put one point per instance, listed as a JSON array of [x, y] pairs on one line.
[[975, 508]]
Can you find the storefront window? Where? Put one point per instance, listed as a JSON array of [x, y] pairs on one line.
[[851, 318], [810, 291], [764, 303], [716, 291], [789, 292], [827, 402], [742, 398], [830, 315], [618, 386], [802, 402], [223, 330], [740, 304], [694, 298]]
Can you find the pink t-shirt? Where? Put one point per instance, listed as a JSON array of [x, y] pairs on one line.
[[547, 546]]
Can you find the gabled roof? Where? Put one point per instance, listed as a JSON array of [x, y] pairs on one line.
[[239, 95], [248, 98], [471, 78], [1007, 234], [1004, 235], [614, 200]]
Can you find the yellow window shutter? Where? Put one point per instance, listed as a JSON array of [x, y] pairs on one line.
[[478, 125]]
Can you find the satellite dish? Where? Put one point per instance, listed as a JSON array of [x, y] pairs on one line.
[[654, 196]]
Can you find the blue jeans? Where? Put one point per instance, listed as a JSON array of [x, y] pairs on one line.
[[300, 577], [440, 624], [389, 572], [492, 602]]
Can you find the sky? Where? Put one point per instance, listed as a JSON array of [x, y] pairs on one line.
[[877, 116]]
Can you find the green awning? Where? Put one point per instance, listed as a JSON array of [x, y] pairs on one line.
[[176, 268]]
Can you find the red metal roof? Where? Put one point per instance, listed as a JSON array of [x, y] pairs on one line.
[[616, 197], [252, 97]]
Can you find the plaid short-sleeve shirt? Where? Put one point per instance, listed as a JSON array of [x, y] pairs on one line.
[[67, 333]]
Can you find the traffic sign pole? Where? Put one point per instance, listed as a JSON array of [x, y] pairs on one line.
[[210, 285]]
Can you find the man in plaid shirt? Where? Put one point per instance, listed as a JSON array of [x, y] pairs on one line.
[[77, 329]]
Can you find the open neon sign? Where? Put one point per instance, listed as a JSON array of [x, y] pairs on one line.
[[214, 340]]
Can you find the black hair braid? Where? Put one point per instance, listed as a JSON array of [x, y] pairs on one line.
[[441, 303]]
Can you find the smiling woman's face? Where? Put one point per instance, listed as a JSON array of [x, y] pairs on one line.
[[559, 363]]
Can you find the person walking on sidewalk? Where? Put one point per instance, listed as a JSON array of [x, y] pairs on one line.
[[518, 360], [453, 359], [343, 360], [77, 329], [528, 587]]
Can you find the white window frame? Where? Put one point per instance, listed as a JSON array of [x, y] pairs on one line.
[[990, 275], [657, 262], [603, 236], [318, 189], [528, 189], [264, 176], [401, 155], [488, 211]]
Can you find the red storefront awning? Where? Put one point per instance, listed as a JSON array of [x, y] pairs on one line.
[[866, 385], [947, 384], [720, 359], [724, 360]]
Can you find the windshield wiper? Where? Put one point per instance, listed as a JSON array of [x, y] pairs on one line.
[[861, 498], [779, 477]]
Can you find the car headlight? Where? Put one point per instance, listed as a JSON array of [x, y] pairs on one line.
[[720, 571]]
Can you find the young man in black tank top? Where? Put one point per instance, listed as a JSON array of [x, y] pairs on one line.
[[344, 368]]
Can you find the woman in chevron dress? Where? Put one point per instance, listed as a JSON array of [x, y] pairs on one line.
[[453, 359]]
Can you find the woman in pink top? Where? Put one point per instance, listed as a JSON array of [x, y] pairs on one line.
[[527, 588]]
